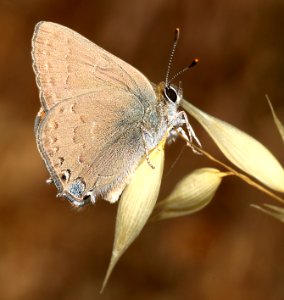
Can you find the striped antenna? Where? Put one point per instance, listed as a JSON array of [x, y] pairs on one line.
[[176, 38]]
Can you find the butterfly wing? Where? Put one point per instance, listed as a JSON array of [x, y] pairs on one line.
[[91, 145], [67, 64], [89, 130]]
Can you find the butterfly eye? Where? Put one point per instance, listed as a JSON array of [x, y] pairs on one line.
[[171, 94]]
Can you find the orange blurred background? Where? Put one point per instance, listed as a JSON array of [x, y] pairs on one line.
[[48, 250]]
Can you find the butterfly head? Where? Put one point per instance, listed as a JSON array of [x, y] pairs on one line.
[[170, 97]]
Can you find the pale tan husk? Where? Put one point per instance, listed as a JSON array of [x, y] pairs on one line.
[[191, 194], [277, 122], [241, 149], [271, 210], [136, 204]]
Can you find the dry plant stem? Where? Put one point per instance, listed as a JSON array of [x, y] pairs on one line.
[[240, 175]]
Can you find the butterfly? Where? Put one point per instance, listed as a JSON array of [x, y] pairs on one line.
[[99, 116]]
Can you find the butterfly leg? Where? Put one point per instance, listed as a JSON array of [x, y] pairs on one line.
[[145, 131], [190, 136]]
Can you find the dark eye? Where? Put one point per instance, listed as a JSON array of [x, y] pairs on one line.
[[171, 94]]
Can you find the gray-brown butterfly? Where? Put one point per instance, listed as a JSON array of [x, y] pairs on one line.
[[99, 117]]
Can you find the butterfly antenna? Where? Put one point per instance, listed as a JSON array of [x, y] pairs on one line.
[[194, 62], [176, 38]]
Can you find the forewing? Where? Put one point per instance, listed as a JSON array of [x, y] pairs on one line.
[[68, 65], [92, 143]]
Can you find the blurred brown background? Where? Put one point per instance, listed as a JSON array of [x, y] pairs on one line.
[[227, 251]]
